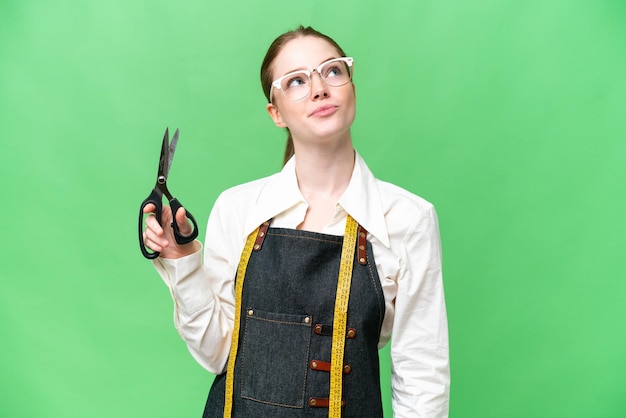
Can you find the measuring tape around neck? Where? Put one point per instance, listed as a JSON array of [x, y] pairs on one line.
[[234, 345], [339, 321]]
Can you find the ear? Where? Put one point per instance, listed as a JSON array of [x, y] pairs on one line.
[[274, 113]]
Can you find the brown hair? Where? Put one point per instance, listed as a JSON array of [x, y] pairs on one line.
[[267, 67]]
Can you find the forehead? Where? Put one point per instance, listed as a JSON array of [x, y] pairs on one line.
[[303, 53]]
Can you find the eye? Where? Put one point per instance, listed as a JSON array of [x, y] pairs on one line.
[[334, 70], [295, 81]]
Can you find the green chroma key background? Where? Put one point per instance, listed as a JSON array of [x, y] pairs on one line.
[[507, 115]]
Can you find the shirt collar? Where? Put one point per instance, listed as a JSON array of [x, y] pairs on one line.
[[361, 199], [278, 194]]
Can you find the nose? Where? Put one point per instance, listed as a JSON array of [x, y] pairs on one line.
[[319, 88]]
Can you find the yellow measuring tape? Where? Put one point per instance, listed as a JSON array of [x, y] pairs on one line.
[[341, 317], [241, 273], [339, 322]]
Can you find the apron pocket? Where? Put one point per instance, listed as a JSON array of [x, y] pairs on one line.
[[274, 358]]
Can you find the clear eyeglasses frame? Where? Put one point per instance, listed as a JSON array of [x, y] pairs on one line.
[[296, 85]]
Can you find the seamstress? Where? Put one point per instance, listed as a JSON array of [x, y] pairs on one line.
[[287, 231]]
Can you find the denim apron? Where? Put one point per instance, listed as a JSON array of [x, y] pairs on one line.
[[283, 359]]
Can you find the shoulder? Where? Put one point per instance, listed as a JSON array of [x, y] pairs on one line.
[[252, 203], [408, 217], [396, 199], [391, 212], [390, 196], [227, 223], [237, 203]]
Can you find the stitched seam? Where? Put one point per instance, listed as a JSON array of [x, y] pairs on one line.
[[243, 354], [277, 321], [381, 315], [306, 369], [308, 238], [273, 403]]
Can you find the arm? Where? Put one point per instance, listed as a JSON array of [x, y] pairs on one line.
[[203, 295], [419, 343]]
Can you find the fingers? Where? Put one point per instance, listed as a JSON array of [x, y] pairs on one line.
[[149, 208], [152, 224], [183, 224], [153, 235], [161, 238], [152, 243]]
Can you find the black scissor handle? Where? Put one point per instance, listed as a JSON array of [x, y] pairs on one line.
[[180, 238], [155, 199]]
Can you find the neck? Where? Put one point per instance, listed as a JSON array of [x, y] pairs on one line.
[[324, 172]]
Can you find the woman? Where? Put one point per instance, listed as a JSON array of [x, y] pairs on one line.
[[293, 299]]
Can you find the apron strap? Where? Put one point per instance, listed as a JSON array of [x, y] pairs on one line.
[[362, 248]]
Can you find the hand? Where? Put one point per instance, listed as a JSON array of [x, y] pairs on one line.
[[161, 239]]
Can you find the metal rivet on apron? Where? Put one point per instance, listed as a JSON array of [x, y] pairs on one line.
[[347, 369], [362, 260], [250, 312], [307, 319], [351, 333], [256, 246], [361, 247], [261, 234], [312, 402], [314, 364]]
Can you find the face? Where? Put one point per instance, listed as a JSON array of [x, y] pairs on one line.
[[327, 112]]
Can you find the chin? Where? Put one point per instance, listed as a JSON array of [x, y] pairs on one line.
[[333, 127]]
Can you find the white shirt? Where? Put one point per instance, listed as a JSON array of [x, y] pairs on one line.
[[404, 234]]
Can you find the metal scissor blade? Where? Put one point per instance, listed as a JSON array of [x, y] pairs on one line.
[[164, 160], [172, 150]]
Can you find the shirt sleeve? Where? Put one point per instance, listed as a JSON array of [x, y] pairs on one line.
[[203, 295], [419, 342]]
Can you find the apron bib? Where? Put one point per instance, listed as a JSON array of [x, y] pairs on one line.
[[285, 336]]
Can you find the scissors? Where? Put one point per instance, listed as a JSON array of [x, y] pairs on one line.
[[160, 189]]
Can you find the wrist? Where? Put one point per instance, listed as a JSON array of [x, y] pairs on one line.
[[183, 250]]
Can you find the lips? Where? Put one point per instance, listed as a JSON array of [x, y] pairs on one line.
[[323, 111]]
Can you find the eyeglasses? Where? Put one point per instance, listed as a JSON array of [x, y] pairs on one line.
[[297, 85]]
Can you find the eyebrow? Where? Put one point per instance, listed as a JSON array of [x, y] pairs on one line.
[[304, 68]]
